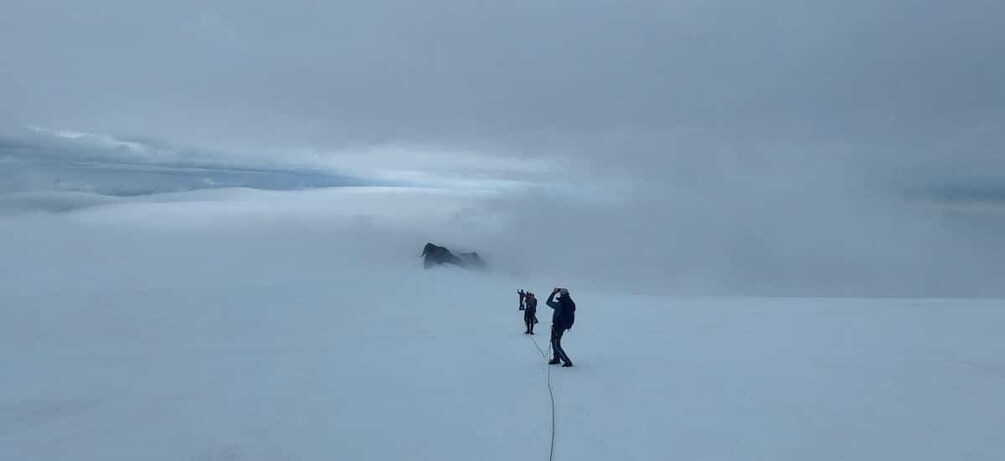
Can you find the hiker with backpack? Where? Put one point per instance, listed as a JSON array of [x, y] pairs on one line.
[[529, 312], [561, 320]]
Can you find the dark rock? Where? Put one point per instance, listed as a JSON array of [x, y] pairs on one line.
[[434, 255]]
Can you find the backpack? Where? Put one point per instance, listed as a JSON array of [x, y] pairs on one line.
[[571, 309]]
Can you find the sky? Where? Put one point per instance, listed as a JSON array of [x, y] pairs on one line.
[[773, 147]]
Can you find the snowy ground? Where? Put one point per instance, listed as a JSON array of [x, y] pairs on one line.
[[250, 337]]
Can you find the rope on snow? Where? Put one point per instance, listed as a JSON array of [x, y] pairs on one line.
[[551, 394]]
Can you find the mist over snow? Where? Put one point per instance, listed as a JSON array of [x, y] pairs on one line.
[[782, 223], [244, 324], [784, 226]]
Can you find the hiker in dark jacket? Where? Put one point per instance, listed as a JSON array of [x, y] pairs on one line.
[[561, 320], [530, 312]]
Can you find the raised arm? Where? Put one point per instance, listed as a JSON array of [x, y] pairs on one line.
[[551, 300]]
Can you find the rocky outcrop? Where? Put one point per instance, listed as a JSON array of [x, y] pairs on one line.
[[435, 255]]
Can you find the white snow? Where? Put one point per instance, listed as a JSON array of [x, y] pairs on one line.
[[214, 329]]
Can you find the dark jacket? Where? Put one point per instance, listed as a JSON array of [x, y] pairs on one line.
[[565, 311], [531, 305]]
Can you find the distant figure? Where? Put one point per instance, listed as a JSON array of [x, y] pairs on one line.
[[530, 312], [562, 319], [523, 296]]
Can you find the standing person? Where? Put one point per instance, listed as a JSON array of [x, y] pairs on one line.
[[523, 295], [561, 320], [530, 312]]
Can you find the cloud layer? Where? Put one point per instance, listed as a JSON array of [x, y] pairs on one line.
[[776, 147]]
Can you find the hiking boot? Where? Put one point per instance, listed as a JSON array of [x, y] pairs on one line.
[[554, 362], [567, 365]]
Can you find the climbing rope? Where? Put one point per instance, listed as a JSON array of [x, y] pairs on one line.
[[551, 394]]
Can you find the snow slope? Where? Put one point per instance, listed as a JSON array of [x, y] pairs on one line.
[[219, 330]]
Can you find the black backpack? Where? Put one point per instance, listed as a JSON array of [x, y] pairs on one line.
[[571, 309]]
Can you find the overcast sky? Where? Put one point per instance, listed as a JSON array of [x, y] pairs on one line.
[[756, 109], [623, 80]]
